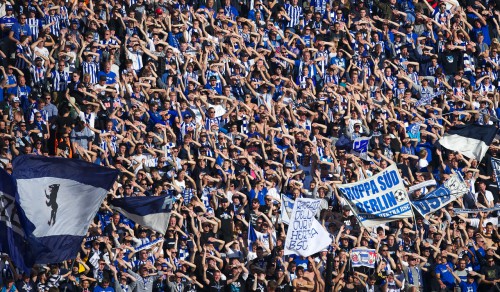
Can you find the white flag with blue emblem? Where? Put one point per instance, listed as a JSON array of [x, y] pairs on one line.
[[58, 199]]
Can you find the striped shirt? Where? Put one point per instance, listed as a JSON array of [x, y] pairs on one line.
[[60, 80], [90, 68], [37, 75], [112, 42], [136, 58], [56, 27], [35, 25], [295, 14], [209, 122], [26, 52]]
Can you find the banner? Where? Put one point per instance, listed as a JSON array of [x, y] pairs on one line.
[[472, 211], [427, 99], [362, 257], [424, 184], [495, 164], [149, 244], [286, 209], [451, 190], [380, 199], [306, 236]]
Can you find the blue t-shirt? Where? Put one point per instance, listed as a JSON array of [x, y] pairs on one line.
[[468, 287], [8, 21], [446, 276], [19, 30], [261, 196], [101, 289], [110, 77]]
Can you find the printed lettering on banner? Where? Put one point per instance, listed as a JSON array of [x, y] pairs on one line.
[[305, 235], [451, 190], [379, 199]]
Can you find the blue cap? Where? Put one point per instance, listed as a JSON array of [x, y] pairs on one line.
[[32, 9], [8, 8]]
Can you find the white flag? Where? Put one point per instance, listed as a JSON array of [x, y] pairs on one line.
[[306, 236]]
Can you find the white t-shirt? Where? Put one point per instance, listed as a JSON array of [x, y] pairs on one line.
[[488, 195], [42, 51], [475, 222]]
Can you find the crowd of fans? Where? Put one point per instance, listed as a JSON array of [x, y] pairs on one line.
[[228, 106]]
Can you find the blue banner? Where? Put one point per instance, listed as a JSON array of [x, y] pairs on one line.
[[451, 190]]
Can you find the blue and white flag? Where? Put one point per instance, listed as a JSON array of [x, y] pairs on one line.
[[470, 140], [286, 209], [427, 99], [495, 164], [451, 190], [152, 212], [413, 131], [254, 235], [363, 257], [12, 237], [475, 211], [360, 147], [149, 244], [58, 199], [379, 199]]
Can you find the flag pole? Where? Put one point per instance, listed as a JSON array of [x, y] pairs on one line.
[[352, 209]]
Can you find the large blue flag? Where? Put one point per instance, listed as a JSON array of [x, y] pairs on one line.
[[58, 200], [152, 212], [12, 239]]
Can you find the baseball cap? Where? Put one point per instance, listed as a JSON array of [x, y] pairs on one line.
[[187, 115], [16, 99], [159, 11], [102, 78], [8, 8]]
